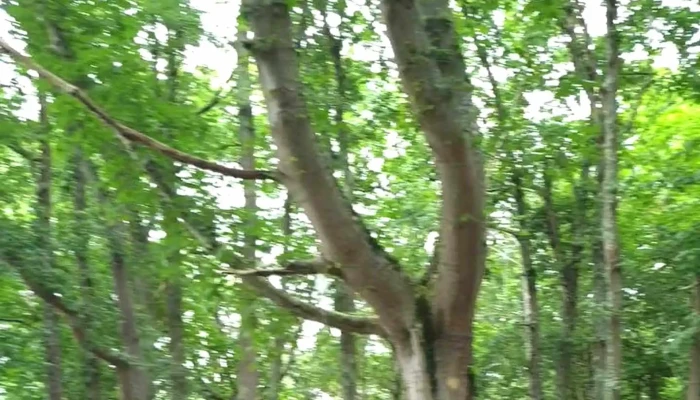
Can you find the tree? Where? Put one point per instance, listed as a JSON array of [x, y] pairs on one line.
[[344, 179]]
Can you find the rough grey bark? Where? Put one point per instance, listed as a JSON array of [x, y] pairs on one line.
[[247, 377], [52, 330], [693, 392], [82, 235], [611, 249]]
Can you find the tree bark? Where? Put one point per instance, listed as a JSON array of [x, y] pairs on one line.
[[134, 382], [439, 91], [82, 232], [247, 367], [609, 203], [344, 300], [178, 372], [368, 271], [52, 331], [529, 292], [694, 378]]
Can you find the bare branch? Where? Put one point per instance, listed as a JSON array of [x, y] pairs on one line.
[[128, 133], [71, 315], [292, 268], [342, 321]]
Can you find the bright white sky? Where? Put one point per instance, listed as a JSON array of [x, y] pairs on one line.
[[219, 18]]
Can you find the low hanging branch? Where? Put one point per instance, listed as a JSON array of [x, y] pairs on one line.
[[128, 133]]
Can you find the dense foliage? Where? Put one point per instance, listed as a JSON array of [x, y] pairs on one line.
[[131, 267]]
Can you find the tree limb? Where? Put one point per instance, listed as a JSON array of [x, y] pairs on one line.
[[367, 271], [71, 315], [292, 268], [342, 321], [128, 133]]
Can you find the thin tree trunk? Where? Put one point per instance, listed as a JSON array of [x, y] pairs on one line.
[[609, 203], [247, 367], [529, 292], [135, 383], [178, 373], [133, 380], [52, 332], [82, 232], [694, 378], [344, 299], [569, 275], [601, 328], [344, 302]]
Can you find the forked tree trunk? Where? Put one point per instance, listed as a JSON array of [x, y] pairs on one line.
[[366, 269], [694, 378]]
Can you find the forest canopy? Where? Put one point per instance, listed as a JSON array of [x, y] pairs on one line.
[[350, 199]]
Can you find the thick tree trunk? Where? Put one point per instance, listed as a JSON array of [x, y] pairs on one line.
[[529, 292], [52, 339], [365, 268], [82, 232], [694, 378]]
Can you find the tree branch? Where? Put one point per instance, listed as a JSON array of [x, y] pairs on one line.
[[368, 272], [291, 268], [71, 315], [342, 321], [128, 133]]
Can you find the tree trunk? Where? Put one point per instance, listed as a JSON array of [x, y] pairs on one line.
[[178, 373], [694, 378], [529, 292], [366, 269], [609, 203], [601, 328], [82, 232], [247, 367], [52, 339], [133, 380], [344, 300]]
